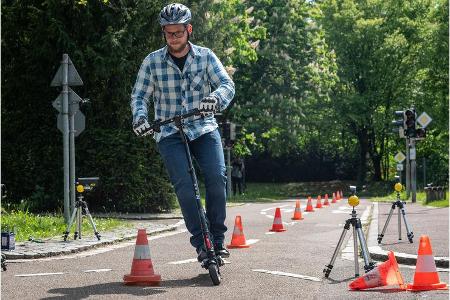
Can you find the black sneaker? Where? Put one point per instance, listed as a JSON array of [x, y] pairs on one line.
[[221, 251], [201, 254]]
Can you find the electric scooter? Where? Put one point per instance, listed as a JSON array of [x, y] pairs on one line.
[[213, 262]]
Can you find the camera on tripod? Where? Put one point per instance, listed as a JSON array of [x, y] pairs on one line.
[[353, 200], [86, 183], [81, 208]]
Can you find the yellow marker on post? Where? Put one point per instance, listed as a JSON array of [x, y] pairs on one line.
[[353, 200], [80, 188], [398, 187]]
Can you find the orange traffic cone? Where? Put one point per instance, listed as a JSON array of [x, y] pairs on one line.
[[309, 206], [334, 198], [277, 225], [326, 200], [297, 212], [238, 238], [319, 202], [342, 195], [426, 277], [142, 267], [385, 274]]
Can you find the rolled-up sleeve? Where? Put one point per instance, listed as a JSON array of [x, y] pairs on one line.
[[223, 86], [142, 91]]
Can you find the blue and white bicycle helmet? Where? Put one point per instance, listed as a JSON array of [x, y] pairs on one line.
[[175, 13]]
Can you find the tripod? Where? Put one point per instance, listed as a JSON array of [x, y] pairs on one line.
[[80, 207], [355, 222], [401, 212]]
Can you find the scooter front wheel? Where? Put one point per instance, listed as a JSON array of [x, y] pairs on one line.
[[214, 273]]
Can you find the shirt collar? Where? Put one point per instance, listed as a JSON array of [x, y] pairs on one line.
[[193, 51]]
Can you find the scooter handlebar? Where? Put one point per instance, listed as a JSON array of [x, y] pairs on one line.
[[156, 126]]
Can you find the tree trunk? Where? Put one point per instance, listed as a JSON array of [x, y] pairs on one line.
[[363, 150]]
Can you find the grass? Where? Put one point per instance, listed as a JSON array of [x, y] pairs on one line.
[[39, 227], [420, 198]]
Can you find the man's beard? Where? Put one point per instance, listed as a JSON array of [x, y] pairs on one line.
[[177, 48]]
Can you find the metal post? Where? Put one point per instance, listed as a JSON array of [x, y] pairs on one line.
[[228, 172], [408, 172], [72, 159], [424, 173], [412, 156], [65, 120]]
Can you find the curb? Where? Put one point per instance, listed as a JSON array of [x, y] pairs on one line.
[[139, 217], [91, 245], [378, 254]]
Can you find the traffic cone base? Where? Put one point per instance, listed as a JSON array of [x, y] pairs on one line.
[[277, 225], [238, 238], [426, 276], [386, 273], [142, 267]]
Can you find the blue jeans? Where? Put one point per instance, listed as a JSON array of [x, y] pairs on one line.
[[207, 151]]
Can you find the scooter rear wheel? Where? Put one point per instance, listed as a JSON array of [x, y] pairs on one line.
[[214, 273]]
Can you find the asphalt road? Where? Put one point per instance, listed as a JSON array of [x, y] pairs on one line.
[[300, 254]]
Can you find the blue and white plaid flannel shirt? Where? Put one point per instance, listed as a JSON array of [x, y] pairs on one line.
[[177, 92]]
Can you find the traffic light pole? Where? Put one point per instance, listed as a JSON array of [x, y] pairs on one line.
[[408, 170], [412, 157]]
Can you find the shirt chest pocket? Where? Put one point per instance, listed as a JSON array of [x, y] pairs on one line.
[[197, 81]]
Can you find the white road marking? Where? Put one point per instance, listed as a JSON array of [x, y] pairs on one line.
[[334, 211], [270, 232], [275, 207], [252, 241], [191, 260], [180, 262], [287, 210], [97, 270], [270, 217], [39, 274], [288, 275], [344, 207], [263, 213]]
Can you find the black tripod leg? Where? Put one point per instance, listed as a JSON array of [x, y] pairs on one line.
[[328, 268], [86, 209], [355, 251], [72, 218], [368, 264], [380, 236], [409, 233]]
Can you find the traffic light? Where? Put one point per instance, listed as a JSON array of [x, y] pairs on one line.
[[228, 132], [399, 122], [410, 122], [421, 133]]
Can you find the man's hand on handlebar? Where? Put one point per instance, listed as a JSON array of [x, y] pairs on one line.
[[208, 105], [142, 127]]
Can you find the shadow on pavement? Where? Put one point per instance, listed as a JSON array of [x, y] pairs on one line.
[[111, 288], [201, 280], [118, 288], [381, 290], [334, 281]]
